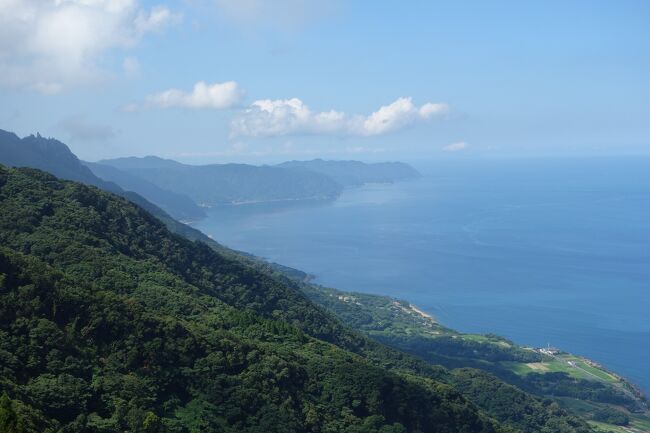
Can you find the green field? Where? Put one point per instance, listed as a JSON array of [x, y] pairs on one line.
[[573, 365], [608, 428], [638, 423], [636, 426], [485, 339], [641, 423]]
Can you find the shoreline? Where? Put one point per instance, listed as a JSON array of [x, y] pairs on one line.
[[414, 308], [305, 199]]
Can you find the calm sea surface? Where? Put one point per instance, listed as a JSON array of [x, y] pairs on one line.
[[540, 251]]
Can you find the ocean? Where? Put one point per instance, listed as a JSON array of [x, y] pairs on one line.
[[541, 251]]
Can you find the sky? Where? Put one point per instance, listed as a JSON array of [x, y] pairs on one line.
[[205, 81]]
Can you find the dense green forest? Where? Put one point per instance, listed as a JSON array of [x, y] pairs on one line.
[[112, 323], [398, 324]]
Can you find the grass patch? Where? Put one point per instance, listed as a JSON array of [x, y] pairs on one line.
[[519, 368], [640, 423], [475, 337], [580, 366], [572, 365], [607, 428]]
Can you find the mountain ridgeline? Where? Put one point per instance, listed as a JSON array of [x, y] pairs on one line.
[[219, 184], [47, 154], [183, 191], [55, 157], [177, 205]]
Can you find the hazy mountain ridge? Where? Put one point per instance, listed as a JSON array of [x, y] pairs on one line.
[[55, 157], [182, 190], [356, 173], [177, 205], [136, 163], [219, 184]]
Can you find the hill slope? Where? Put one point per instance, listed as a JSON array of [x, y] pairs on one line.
[[110, 323], [46, 154], [178, 206], [512, 403], [576, 383], [55, 157]]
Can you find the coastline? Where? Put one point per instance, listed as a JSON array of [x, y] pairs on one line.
[[423, 314]]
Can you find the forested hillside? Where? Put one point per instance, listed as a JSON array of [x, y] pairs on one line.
[[178, 206], [281, 304], [577, 384], [55, 157], [111, 323]]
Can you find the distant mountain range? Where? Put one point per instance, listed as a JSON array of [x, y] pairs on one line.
[[177, 205], [355, 173], [182, 190], [53, 156], [218, 184]]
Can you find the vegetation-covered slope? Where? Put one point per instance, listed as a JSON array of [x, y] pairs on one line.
[[55, 157], [46, 154], [577, 384], [178, 206], [111, 323], [329, 329]]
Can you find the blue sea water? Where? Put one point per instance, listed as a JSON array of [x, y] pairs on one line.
[[542, 251]]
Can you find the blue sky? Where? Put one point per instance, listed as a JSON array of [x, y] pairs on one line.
[[247, 80]]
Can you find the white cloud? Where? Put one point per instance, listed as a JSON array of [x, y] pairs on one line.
[[155, 20], [268, 118], [399, 114], [203, 95], [455, 147], [50, 45]]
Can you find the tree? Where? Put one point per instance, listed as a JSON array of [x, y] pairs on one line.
[[8, 418]]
